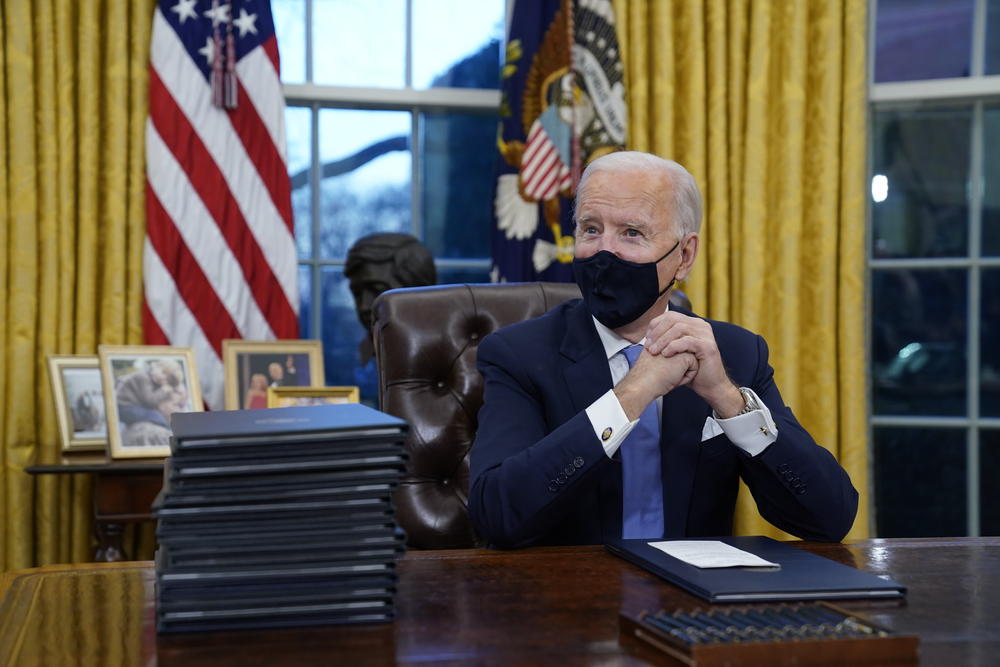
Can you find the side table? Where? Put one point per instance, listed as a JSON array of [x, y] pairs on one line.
[[123, 493]]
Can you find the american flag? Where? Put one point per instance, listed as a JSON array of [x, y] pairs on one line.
[[219, 259], [563, 104]]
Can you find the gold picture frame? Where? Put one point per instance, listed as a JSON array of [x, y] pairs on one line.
[[283, 397], [79, 402], [143, 386], [251, 367]]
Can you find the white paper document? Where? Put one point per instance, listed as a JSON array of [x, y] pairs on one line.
[[711, 553]]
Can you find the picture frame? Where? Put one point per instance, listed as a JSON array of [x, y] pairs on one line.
[[143, 386], [251, 367], [78, 394], [283, 397]]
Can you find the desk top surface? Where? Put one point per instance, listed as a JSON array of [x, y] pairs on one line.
[[486, 607]]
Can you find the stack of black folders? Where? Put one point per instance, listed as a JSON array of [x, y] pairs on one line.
[[279, 517]]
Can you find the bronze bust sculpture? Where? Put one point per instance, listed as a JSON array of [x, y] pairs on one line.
[[380, 262]]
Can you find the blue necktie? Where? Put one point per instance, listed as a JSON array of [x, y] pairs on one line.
[[642, 487]]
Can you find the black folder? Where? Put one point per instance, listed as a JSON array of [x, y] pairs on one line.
[[802, 575]]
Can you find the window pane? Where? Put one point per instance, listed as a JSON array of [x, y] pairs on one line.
[[290, 27], [919, 341], [991, 180], [298, 128], [341, 335], [456, 43], [989, 337], [365, 185], [992, 65], [457, 179], [919, 182], [305, 302], [908, 461], [922, 39], [989, 481], [359, 43], [461, 275]]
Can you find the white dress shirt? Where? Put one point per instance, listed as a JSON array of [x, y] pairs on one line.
[[752, 432]]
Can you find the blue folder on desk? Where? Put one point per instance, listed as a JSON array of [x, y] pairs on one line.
[[802, 575]]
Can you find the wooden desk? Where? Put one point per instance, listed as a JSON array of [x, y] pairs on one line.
[[536, 606], [123, 493]]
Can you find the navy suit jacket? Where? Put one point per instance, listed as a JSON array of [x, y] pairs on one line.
[[539, 474]]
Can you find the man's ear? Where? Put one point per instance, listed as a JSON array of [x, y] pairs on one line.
[[689, 251]]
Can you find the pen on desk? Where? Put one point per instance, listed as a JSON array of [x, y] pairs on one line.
[[745, 628], [768, 628], [827, 615], [710, 630], [676, 630], [805, 625], [731, 632], [831, 622], [791, 625]]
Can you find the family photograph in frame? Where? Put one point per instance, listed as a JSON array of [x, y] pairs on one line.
[[143, 386], [284, 397], [79, 402], [252, 367]]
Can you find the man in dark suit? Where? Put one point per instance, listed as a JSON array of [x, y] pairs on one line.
[[585, 437]]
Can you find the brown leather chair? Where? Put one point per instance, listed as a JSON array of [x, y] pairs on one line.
[[425, 350]]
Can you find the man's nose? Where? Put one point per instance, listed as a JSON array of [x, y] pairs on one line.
[[610, 243]]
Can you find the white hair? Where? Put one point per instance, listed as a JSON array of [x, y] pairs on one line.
[[686, 196]]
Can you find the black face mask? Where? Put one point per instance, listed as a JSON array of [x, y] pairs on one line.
[[618, 291]]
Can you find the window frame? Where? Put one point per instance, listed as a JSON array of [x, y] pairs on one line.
[[977, 90]]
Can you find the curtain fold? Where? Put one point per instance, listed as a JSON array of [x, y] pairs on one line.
[[72, 223], [764, 103]]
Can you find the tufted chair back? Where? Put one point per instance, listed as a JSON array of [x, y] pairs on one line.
[[425, 350]]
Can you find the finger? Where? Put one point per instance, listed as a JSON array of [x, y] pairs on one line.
[[656, 340], [686, 345]]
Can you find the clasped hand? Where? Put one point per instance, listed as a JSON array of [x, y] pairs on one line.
[[671, 335], [679, 350]]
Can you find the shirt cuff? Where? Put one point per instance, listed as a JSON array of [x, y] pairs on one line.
[[609, 421], [752, 432]]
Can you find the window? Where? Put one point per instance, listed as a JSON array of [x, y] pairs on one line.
[[392, 118], [934, 267]]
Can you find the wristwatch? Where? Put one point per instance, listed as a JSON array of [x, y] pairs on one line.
[[751, 402]]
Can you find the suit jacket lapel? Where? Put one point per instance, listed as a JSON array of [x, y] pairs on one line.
[[683, 418], [586, 371]]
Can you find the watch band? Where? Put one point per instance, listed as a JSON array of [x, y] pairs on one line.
[[751, 402]]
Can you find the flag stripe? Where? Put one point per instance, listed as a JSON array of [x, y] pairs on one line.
[[262, 91], [169, 59], [192, 284], [203, 175], [152, 332], [165, 306], [264, 155], [543, 157], [187, 213]]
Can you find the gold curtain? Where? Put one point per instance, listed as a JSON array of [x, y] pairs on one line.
[[72, 222], [764, 102]]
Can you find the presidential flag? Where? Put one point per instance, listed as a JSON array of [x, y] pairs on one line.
[[562, 105], [219, 259]]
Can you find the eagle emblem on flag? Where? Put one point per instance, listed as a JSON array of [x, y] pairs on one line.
[[563, 105]]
